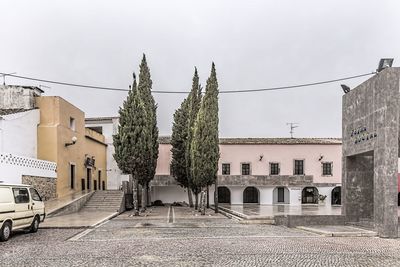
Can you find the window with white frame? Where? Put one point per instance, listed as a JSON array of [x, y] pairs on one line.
[[298, 167], [246, 169], [274, 168], [327, 168], [226, 169]]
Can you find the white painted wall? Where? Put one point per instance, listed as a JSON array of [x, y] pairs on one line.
[[12, 167], [18, 133]]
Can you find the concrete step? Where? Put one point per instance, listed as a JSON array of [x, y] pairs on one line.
[[105, 200]]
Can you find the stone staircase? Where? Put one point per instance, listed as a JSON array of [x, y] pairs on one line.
[[106, 200]]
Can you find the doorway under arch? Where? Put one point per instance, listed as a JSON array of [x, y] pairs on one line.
[[281, 195], [224, 195], [336, 197], [251, 195], [309, 195]]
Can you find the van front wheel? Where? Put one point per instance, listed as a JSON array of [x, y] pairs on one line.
[[35, 225], [5, 231]]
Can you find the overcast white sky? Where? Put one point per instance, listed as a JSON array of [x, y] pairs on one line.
[[254, 44]]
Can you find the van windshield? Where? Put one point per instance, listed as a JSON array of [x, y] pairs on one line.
[[35, 195]]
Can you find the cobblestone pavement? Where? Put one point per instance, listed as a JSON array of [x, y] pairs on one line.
[[180, 237]]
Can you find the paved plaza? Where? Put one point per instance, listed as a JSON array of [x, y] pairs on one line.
[[178, 236], [272, 210]]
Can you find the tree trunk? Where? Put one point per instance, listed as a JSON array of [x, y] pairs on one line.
[[208, 197], [135, 197], [203, 203], [216, 196], [196, 205], [201, 200], [148, 193], [190, 197], [144, 197]]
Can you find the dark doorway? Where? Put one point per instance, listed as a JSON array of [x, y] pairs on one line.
[[104, 185], [224, 195], [83, 184], [95, 184], [309, 195], [250, 195], [398, 199], [281, 194], [99, 178], [89, 178], [337, 196]]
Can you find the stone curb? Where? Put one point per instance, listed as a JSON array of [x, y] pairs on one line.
[[83, 226], [359, 233]]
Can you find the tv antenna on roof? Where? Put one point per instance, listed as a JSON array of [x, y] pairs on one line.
[[292, 127], [6, 74]]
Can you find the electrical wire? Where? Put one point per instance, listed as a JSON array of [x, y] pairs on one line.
[[185, 92]]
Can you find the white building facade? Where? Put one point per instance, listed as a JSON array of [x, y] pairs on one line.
[[18, 140]]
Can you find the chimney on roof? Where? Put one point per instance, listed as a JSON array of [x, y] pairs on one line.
[[18, 97]]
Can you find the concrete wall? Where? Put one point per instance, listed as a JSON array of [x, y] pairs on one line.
[[371, 150], [18, 133], [18, 97]]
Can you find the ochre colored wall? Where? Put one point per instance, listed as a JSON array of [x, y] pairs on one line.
[[54, 132], [94, 144]]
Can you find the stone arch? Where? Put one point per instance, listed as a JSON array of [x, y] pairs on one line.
[[251, 195], [281, 195], [309, 195], [336, 196], [224, 195]]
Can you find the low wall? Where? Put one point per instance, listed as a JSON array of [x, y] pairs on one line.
[[303, 220], [73, 206], [47, 187]]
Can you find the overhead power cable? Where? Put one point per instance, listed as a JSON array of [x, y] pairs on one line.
[[185, 92]]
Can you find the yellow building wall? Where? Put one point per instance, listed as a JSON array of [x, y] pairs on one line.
[[54, 132], [94, 143]]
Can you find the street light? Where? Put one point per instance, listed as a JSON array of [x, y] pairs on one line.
[[384, 63], [345, 88]]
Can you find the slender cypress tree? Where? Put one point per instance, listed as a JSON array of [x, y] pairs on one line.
[[131, 143], [145, 87], [178, 143], [205, 143], [193, 109]]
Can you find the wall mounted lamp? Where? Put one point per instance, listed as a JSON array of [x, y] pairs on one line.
[[73, 141]]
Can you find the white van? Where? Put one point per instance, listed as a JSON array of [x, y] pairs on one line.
[[21, 207]]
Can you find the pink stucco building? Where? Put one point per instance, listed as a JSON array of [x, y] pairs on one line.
[[265, 171], [291, 171]]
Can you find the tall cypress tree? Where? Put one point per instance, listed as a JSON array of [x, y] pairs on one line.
[[131, 143], [193, 108], [145, 87], [205, 143], [178, 143], [182, 132]]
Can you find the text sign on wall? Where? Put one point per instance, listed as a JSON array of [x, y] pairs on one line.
[[361, 135]]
